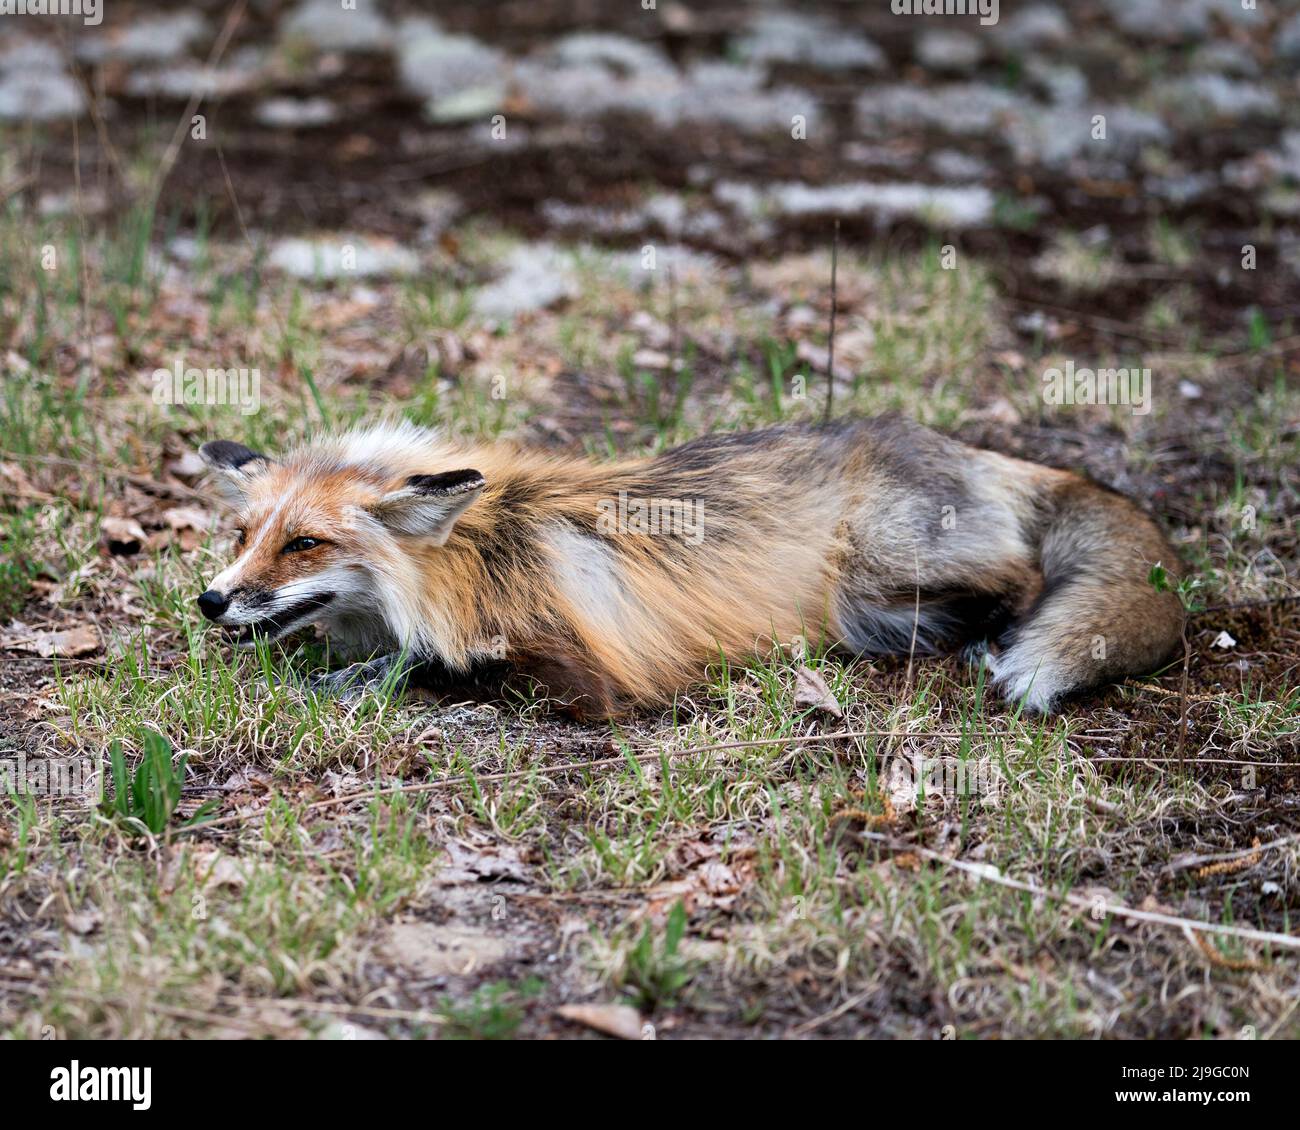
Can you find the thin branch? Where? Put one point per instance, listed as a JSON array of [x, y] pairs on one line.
[[830, 349], [196, 96], [988, 874], [1265, 603], [173, 490], [1187, 861]]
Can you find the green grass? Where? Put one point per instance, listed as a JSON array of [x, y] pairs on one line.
[[19, 566], [494, 1012]]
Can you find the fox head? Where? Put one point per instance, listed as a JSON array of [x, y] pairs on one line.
[[323, 537]]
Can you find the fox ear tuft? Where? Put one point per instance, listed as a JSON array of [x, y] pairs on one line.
[[234, 464], [428, 506], [224, 455]]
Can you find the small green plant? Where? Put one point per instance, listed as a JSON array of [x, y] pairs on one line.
[[1258, 334], [18, 568], [13, 861], [1015, 213], [655, 972], [1185, 588], [494, 1012], [147, 799]]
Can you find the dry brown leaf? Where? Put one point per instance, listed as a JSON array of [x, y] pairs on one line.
[[810, 689], [66, 644], [619, 1020], [121, 536], [472, 863], [718, 878], [188, 518], [217, 869], [84, 922], [17, 485]]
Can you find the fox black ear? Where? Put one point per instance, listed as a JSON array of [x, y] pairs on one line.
[[223, 455], [234, 465], [427, 506]]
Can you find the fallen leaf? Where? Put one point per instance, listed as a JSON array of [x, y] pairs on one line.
[[810, 689], [121, 536], [66, 644], [18, 485], [217, 869], [187, 518], [468, 863], [251, 781], [1153, 905], [619, 1020], [86, 922]]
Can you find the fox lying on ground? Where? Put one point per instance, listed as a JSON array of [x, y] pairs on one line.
[[614, 585]]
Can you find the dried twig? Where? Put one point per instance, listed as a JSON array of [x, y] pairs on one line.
[[1254, 851], [172, 490], [196, 96], [1236, 964], [987, 874], [830, 349]]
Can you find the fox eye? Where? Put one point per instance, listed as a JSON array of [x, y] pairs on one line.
[[241, 536], [299, 544]]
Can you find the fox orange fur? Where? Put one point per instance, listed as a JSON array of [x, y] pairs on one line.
[[872, 536]]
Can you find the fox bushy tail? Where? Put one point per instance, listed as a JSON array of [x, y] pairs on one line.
[[1098, 617]]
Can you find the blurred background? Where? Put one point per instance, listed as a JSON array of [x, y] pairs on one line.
[[610, 225], [737, 130]]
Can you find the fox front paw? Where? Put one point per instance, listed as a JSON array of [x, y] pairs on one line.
[[348, 684]]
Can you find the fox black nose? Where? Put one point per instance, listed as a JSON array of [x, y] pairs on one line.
[[212, 604]]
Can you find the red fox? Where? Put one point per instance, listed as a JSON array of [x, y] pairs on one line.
[[614, 586]]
